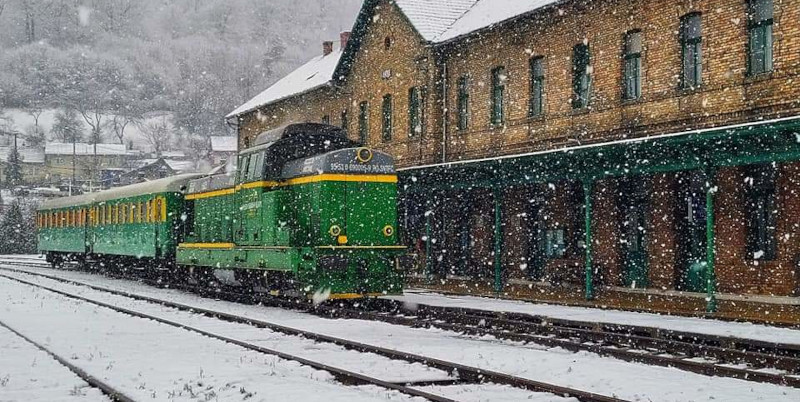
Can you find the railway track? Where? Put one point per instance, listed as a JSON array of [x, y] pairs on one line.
[[461, 374], [739, 358], [108, 390]]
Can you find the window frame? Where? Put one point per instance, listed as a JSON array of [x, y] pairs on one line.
[[581, 76], [414, 111], [632, 65], [462, 102], [695, 45], [387, 118], [363, 122], [761, 202], [497, 115], [763, 28], [537, 79]]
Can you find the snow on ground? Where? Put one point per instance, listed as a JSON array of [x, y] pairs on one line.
[[151, 361], [689, 324], [29, 374], [583, 370], [364, 363]]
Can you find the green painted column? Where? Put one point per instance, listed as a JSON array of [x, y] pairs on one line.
[[428, 248], [498, 240], [711, 277], [587, 194]]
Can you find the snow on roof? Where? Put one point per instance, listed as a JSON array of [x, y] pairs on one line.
[[486, 13], [28, 155], [312, 75], [165, 185], [58, 148], [181, 166], [173, 154], [224, 144], [432, 18]]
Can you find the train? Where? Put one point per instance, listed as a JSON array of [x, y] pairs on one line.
[[308, 212]]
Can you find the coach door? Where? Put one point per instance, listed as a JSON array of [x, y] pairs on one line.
[[634, 210], [248, 199]]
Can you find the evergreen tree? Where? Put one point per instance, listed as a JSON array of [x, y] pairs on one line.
[[19, 234], [14, 168]]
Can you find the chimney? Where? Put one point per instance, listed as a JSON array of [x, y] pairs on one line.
[[327, 48], [344, 37]]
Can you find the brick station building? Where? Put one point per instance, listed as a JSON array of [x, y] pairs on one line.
[[635, 152]]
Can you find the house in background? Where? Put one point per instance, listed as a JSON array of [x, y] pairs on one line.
[[90, 166], [33, 171], [222, 149]]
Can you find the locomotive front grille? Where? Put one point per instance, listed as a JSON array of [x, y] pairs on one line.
[[333, 263]]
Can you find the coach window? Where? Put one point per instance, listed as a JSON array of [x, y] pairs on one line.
[[759, 29], [132, 213], [761, 206]]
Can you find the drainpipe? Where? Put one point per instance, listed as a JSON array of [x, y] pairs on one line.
[[587, 194], [444, 111], [711, 277]]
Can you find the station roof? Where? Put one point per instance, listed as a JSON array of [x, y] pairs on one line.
[[436, 21], [316, 73]]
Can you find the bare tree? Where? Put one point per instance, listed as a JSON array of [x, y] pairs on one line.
[[158, 134], [119, 122]]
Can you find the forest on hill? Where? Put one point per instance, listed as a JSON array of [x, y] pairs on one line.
[[194, 59]]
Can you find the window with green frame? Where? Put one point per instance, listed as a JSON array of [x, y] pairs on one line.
[[581, 76], [414, 112], [386, 114], [692, 51], [759, 30], [761, 206], [363, 122], [463, 102], [499, 79], [536, 102], [632, 59]]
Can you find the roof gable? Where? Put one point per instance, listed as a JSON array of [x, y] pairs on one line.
[[316, 73]]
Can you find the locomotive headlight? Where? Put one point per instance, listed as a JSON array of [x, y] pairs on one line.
[[335, 230], [388, 230], [363, 155]]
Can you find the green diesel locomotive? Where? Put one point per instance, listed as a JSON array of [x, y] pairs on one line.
[[307, 212]]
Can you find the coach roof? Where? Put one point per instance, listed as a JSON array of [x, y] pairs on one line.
[[166, 185]]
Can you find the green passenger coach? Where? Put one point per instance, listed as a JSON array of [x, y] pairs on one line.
[[134, 224]]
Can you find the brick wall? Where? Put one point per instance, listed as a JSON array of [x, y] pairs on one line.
[[727, 96]]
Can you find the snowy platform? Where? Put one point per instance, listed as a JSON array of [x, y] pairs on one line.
[[758, 332]]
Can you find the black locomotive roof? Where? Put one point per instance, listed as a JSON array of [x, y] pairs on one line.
[[298, 141], [302, 132]]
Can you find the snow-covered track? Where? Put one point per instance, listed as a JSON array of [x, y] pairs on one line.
[[698, 353], [343, 376], [464, 374], [108, 390]]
